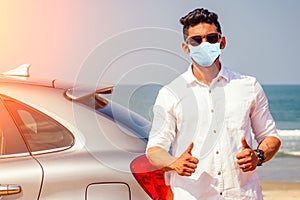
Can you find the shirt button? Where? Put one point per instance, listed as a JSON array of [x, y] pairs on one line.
[[221, 193], [217, 152], [212, 110], [215, 131], [219, 172], [209, 91]]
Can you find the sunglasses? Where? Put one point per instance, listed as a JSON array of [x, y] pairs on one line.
[[197, 40]]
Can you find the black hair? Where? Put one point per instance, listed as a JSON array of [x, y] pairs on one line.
[[197, 16]]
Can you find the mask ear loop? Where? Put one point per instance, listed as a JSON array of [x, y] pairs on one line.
[[222, 43], [185, 47]]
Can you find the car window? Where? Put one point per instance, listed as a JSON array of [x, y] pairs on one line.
[[131, 107], [41, 132], [11, 142]]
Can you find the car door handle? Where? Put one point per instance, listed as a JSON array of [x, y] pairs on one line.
[[9, 189]]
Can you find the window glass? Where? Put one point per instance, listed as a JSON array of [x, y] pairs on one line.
[[11, 142], [41, 132]]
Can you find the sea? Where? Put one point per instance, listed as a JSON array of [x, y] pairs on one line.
[[284, 105]]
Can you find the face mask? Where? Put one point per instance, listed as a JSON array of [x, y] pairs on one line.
[[205, 54]]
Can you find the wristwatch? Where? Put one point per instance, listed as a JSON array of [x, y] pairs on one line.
[[261, 155]]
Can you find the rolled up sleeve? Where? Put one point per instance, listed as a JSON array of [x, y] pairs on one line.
[[262, 122], [163, 129]]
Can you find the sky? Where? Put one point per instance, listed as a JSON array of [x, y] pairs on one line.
[[139, 41]]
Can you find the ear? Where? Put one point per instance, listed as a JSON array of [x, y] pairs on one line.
[[223, 43], [185, 48]]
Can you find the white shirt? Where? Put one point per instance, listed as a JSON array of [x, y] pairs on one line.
[[215, 118]]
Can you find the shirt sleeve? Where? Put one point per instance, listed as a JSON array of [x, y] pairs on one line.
[[262, 122], [163, 128]]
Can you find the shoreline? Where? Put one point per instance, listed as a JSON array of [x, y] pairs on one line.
[[278, 190], [280, 178], [280, 169]]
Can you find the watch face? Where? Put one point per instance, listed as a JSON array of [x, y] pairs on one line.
[[261, 155]]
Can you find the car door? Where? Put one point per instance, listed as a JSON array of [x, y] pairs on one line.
[[20, 174]]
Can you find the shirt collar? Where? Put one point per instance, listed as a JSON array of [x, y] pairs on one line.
[[224, 73], [190, 77]]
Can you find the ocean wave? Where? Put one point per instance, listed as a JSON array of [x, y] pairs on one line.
[[290, 143], [288, 153], [293, 153], [289, 133]]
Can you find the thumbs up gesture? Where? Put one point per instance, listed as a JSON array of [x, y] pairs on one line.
[[186, 164], [244, 143], [247, 158]]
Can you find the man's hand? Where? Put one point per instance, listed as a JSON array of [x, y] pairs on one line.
[[247, 158], [186, 164]]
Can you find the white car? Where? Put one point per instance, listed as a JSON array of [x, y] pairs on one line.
[[58, 141]]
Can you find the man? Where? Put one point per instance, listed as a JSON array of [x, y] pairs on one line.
[[208, 116]]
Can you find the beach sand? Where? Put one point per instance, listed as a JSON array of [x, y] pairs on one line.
[[280, 179], [279, 190]]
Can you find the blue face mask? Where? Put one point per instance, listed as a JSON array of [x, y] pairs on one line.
[[205, 54]]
